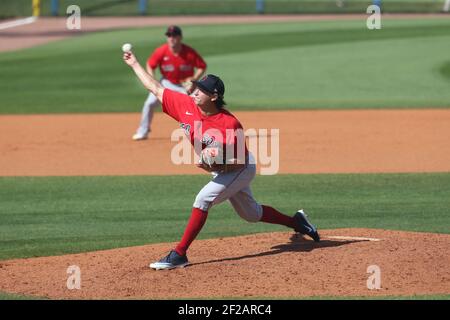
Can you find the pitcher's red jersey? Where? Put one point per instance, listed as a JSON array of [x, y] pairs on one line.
[[219, 130]]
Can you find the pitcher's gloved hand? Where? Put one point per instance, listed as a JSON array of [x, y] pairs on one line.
[[211, 159]]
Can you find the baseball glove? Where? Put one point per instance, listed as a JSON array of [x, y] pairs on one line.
[[211, 159]]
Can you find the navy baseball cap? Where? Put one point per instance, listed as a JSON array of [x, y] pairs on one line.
[[173, 31], [211, 84]]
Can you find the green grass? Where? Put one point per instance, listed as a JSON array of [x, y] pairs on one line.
[[265, 66], [415, 297], [11, 296], [59, 215]]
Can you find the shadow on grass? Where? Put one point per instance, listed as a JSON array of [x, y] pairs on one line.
[[296, 244]]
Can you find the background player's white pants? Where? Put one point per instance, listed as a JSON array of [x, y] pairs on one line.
[[151, 103], [233, 186]]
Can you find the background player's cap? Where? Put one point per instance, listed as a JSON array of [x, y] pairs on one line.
[[173, 31], [211, 84]]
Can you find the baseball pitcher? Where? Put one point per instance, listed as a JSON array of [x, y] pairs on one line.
[[207, 123]]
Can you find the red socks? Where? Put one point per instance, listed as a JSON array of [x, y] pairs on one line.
[[270, 215], [195, 224], [198, 219]]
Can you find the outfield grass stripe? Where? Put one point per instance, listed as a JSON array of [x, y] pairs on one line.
[[57, 215], [326, 64], [258, 42]]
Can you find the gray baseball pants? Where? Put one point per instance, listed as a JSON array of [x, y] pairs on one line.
[[235, 187]]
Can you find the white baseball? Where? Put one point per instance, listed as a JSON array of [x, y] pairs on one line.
[[127, 47]]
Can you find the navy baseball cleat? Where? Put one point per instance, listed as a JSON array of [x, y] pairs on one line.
[[171, 261], [305, 227]]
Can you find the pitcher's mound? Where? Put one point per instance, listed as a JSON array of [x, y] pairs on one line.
[[260, 265]]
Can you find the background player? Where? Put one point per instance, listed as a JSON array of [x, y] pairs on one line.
[[179, 64], [201, 114]]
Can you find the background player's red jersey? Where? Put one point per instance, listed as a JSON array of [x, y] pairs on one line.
[[176, 68]]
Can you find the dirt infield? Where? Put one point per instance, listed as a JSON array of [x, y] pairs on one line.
[[260, 265], [310, 142]]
